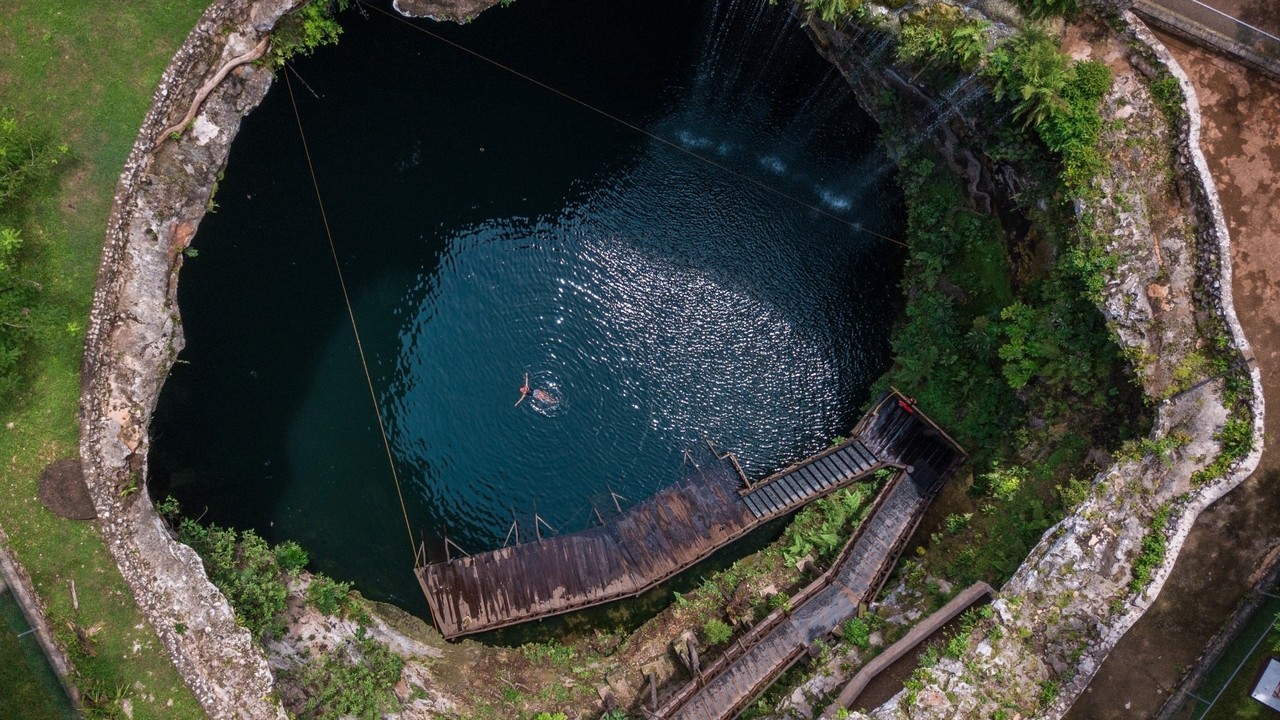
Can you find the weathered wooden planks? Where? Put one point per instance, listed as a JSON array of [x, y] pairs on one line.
[[662, 536], [639, 548], [900, 434]]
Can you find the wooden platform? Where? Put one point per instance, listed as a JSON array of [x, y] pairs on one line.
[[728, 685], [664, 535]]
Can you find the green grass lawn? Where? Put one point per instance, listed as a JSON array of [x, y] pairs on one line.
[[85, 74]]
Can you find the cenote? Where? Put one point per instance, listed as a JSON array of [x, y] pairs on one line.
[[489, 228]]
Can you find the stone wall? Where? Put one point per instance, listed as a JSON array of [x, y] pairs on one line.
[[133, 337]]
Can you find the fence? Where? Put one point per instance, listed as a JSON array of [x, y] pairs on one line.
[[1205, 24]]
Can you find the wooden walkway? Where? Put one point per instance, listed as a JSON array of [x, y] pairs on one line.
[[671, 531], [728, 685]]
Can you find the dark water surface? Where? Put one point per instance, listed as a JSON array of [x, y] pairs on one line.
[[488, 228]]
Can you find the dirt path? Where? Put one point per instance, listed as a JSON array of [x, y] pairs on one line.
[[1241, 113]]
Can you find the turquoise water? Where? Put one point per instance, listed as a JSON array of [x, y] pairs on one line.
[[488, 228]]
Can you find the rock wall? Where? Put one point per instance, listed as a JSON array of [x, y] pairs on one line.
[[1070, 602], [1057, 616], [133, 337]]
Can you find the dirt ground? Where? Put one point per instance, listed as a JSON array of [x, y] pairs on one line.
[[1241, 112]]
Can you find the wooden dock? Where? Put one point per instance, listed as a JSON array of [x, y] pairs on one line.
[[679, 526], [728, 685]]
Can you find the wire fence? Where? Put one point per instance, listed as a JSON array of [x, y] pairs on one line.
[[27, 667], [1231, 678], [1215, 22]]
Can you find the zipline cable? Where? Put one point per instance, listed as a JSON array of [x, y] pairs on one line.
[[675, 146], [351, 315]]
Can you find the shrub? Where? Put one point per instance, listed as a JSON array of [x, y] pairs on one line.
[[1152, 552], [1048, 8], [27, 159], [857, 632], [1236, 437], [942, 34], [1167, 93], [716, 632], [1058, 98], [1049, 690], [291, 556], [356, 679], [832, 10], [245, 569], [305, 29], [957, 522], [820, 529], [1002, 483], [327, 595]]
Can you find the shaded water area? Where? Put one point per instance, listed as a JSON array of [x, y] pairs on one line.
[[488, 228]]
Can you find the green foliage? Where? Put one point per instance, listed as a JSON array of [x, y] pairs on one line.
[[956, 522], [716, 632], [1074, 131], [1073, 492], [857, 632], [1031, 72], [1002, 483], [291, 556], [1019, 509], [327, 595], [942, 34], [1049, 690], [245, 569], [550, 716], [1154, 544], [28, 157], [1048, 8], [957, 281], [1025, 351], [820, 529], [27, 161], [931, 655], [1236, 437], [1056, 97], [355, 679], [832, 10], [168, 508], [1167, 93], [615, 715], [549, 652], [305, 29]]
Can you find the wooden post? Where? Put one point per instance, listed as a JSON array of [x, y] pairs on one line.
[[615, 497], [538, 519]]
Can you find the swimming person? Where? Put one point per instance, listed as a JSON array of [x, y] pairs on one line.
[[543, 396], [524, 390]]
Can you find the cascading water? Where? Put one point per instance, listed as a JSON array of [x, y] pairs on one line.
[[488, 229]]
